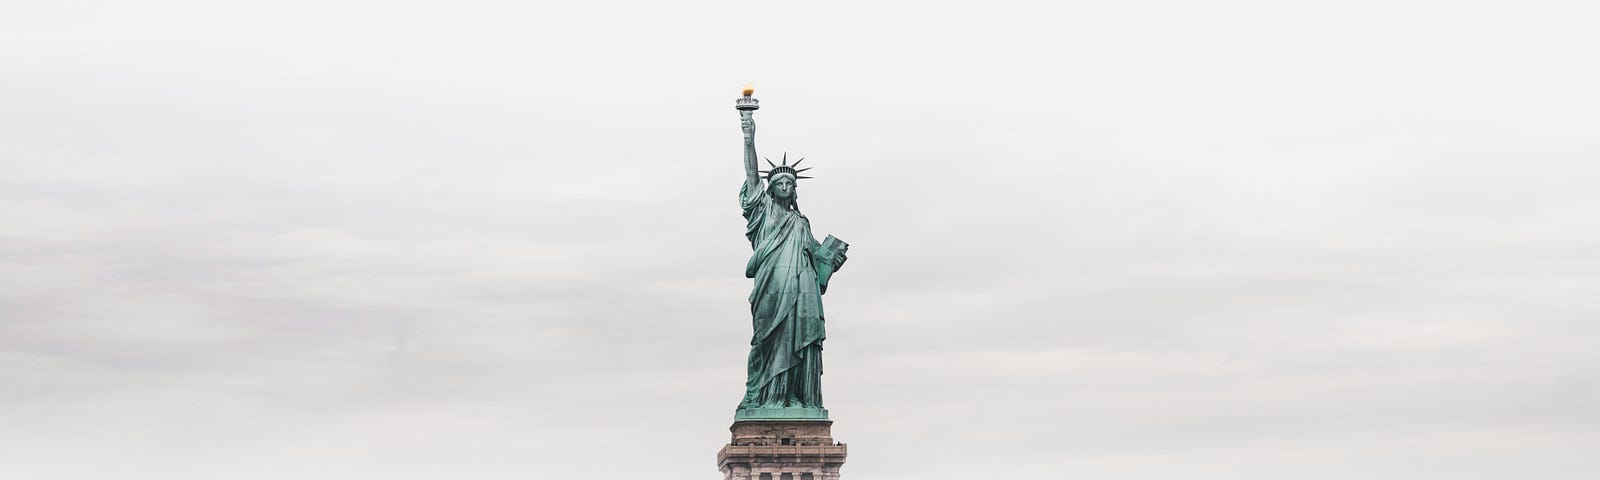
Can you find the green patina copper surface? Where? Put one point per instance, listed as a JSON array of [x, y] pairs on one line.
[[791, 271], [781, 413]]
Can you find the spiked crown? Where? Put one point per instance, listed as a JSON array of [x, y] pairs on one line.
[[785, 168]]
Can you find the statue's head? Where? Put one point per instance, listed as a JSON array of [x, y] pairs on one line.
[[781, 179]]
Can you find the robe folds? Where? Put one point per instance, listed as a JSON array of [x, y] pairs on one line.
[[785, 364]]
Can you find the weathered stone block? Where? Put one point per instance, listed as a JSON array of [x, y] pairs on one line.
[[781, 450]]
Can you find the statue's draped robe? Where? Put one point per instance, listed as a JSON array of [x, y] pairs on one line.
[[785, 362]]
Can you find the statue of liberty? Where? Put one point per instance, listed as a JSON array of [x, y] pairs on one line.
[[791, 271]]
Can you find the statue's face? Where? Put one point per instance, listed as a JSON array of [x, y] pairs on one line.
[[783, 188]]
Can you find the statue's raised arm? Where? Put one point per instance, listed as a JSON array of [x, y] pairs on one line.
[[748, 122], [747, 107]]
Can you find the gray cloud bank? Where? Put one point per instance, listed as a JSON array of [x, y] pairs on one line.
[[364, 240]]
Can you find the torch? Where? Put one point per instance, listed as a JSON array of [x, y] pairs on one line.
[[747, 103]]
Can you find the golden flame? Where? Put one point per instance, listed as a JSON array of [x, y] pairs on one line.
[[749, 88]]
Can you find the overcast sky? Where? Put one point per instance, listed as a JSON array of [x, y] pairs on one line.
[[1111, 240]]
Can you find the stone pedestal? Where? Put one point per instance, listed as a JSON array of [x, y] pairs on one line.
[[781, 450]]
